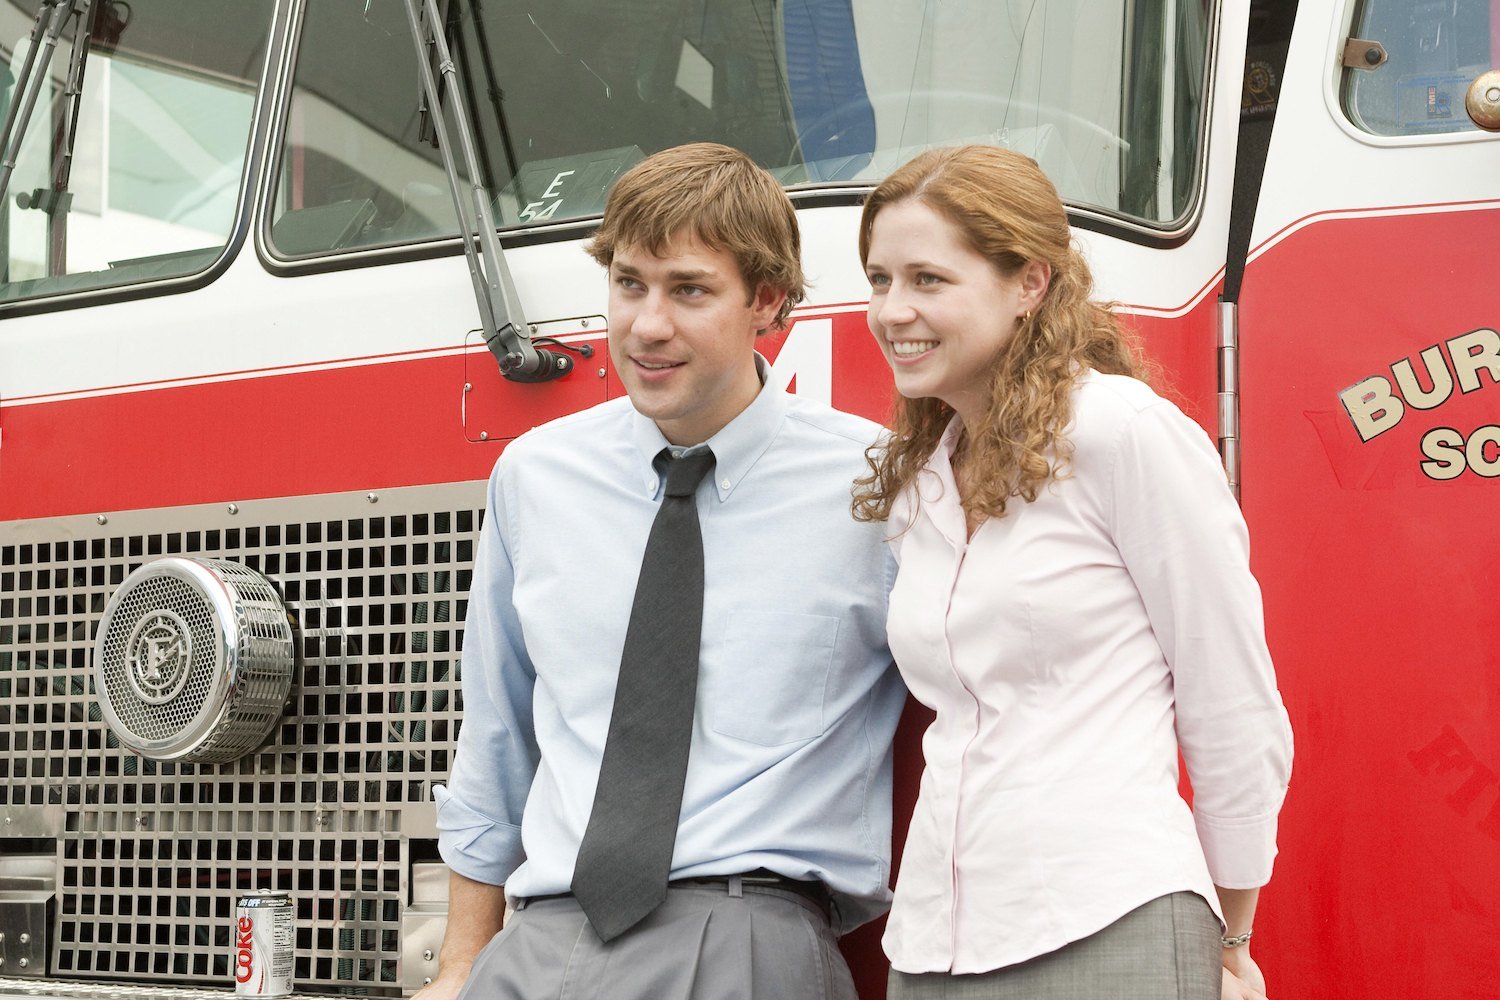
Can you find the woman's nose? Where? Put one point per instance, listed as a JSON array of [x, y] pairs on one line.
[[894, 308]]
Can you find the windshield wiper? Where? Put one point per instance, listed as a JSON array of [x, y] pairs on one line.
[[503, 325], [51, 20]]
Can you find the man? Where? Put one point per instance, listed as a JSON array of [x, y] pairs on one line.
[[638, 861]]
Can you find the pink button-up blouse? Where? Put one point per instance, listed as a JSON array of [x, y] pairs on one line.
[[1070, 649]]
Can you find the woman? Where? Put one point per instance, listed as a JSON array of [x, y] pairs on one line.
[[1075, 602]]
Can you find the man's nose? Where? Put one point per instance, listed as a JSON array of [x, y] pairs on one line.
[[651, 319]]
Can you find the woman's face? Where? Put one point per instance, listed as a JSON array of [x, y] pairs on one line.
[[940, 311]]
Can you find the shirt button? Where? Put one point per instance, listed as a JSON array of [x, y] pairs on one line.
[[724, 485]]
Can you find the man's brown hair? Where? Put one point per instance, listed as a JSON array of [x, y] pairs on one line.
[[719, 195]]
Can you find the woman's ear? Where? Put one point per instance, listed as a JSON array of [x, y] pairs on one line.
[[1035, 277]]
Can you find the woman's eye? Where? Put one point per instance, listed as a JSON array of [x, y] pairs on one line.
[[878, 280], [928, 279]]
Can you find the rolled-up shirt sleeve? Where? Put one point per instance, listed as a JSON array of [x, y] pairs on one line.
[[479, 812], [1184, 541]]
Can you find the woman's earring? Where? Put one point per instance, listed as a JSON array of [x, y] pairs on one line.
[[1027, 317]]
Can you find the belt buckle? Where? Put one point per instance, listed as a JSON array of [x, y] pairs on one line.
[[765, 878]]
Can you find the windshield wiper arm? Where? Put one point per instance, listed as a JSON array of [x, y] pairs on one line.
[[504, 326], [51, 17]]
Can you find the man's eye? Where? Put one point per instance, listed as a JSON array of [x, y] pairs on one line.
[[692, 291], [625, 282]]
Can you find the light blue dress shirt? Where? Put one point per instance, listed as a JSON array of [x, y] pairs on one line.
[[797, 701]]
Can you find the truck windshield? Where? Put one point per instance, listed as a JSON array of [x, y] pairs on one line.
[[1105, 94], [145, 184]]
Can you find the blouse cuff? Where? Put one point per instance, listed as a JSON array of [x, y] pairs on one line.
[[474, 845], [1239, 852]]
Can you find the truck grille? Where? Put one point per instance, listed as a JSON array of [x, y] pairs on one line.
[[333, 807]]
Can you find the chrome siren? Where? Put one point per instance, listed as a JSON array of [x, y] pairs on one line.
[[193, 661]]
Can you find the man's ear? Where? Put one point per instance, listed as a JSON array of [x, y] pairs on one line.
[[765, 304]]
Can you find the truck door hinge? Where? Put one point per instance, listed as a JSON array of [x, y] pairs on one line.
[[1229, 393], [1364, 53]]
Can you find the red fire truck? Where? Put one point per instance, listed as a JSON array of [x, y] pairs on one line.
[[247, 408]]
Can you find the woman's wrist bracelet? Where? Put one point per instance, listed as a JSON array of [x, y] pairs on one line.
[[1238, 941]]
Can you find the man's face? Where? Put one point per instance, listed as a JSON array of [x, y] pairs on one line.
[[682, 329]]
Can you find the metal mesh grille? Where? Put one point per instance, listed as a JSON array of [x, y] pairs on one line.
[[152, 855]]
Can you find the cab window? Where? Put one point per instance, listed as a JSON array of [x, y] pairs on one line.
[[1107, 95], [1435, 49], [138, 179]]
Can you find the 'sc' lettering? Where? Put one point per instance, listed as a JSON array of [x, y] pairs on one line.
[[1444, 448], [1449, 455]]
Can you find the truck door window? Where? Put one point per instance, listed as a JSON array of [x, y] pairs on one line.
[[1435, 49], [1106, 94], [158, 153]]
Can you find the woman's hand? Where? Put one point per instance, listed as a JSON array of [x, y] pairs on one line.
[[1242, 977]]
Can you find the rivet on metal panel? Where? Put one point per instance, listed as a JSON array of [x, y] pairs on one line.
[[468, 387], [427, 955], [234, 508], [23, 963], [371, 498], [25, 938], [427, 981], [484, 435], [533, 327], [601, 372], [584, 322], [102, 519]]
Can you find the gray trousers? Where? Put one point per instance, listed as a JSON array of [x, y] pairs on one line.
[[1167, 949], [735, 942]]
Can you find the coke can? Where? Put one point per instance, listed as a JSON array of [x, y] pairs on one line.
[[264, 930]]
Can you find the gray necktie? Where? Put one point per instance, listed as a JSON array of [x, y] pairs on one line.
[[626, 855]]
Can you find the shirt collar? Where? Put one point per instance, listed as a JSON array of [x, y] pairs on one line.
[[737, 446], [937, 488]]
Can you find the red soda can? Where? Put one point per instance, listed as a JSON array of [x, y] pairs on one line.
[[264, 931]]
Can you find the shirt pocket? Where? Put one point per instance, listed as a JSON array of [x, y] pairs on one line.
[[774, 687]]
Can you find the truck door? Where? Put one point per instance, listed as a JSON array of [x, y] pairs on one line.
[[1370, 424]]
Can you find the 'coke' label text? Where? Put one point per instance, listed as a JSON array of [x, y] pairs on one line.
[[244, 952]]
